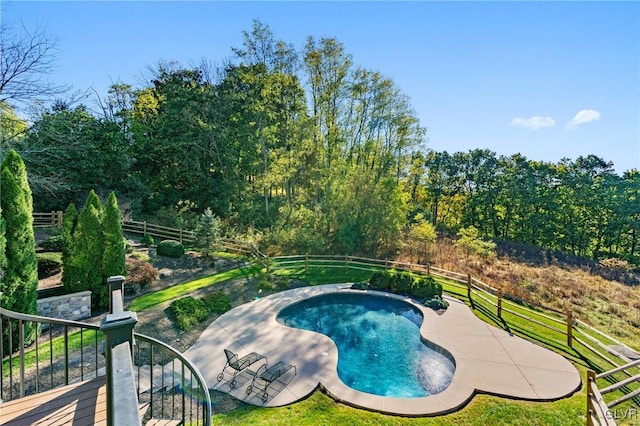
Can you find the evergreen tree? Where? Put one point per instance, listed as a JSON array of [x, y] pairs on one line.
[[88, 250], [70, 276], [20, 280], [208, 232], [113, 258], [3, 244]]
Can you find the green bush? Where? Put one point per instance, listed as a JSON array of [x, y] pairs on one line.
[[436, 303], [147, 240], [425, 288], [401, 283], [218, 303], [380, 280], [360, 286], [48, 264], [189, 311], [170, 248], [53, 243]]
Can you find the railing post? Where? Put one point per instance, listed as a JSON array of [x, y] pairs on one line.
[[569, 328], [499, 303], [469, 286], [115, 283], [386, 264], [306, 262], [118, 327], [180, 235], [428, 269]]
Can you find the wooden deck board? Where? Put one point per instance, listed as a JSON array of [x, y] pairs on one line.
[[78, 404]]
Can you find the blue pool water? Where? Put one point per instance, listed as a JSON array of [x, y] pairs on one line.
[[380, 350]]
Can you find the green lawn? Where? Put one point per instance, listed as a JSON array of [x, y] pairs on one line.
[[152, 299]]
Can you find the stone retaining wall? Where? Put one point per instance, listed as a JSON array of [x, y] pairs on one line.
[[74, 306]]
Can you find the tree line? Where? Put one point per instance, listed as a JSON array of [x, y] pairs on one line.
[[312, 153]]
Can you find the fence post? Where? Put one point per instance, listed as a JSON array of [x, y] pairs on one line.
[[591, 378], [428, 269], [469, 286], [386, 264], [180, 235], [144, 228], [306, 262], [346, 263], [569, 328], [499, 303]]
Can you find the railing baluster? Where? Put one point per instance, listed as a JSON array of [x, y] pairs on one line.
[[51, 354], [37, 358], [162, 391], [173, 389], [81, 356], [66, 355], [21, 341], [10, 359], [183, 393], [96, 349], [151, 377]]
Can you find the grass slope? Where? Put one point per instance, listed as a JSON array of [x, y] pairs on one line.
[[152, 299]]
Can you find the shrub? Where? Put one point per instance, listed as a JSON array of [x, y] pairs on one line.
[[140, 272], [170, 248], [147, 240], [436, 303], [189, 312], [380, 280], [218, 303], [48, 264], [360, 286], [401, 283], [425, 288], [53, 243]]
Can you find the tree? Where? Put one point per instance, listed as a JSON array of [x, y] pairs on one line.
[[70, 275], [470, 241], [114, 256], [26, 59], [20, 280], [208, 232], [422, 234], [88, 251]]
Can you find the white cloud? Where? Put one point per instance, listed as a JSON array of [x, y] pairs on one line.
[[583, 117], [533, 123]]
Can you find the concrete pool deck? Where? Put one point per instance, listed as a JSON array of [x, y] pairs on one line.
[[488, 359]]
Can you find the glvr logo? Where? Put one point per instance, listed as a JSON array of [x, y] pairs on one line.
[[623, 414]]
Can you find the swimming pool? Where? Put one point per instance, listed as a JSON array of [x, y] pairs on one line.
[[380, 350]]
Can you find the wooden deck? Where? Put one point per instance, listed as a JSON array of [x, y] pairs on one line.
[[80, 404]]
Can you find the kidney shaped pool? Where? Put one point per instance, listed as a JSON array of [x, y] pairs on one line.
[[380, 350]]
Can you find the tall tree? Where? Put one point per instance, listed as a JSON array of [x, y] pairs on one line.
[[70, 275], [20, 279], [88, 251], [114, 256], [26, 59]]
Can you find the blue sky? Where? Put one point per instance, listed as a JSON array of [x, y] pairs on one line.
[[545, 79]]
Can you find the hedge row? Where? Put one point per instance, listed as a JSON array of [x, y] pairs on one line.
[[425, 289]]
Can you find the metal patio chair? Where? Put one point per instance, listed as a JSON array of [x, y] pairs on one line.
[[235, 365], [265, 376]]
